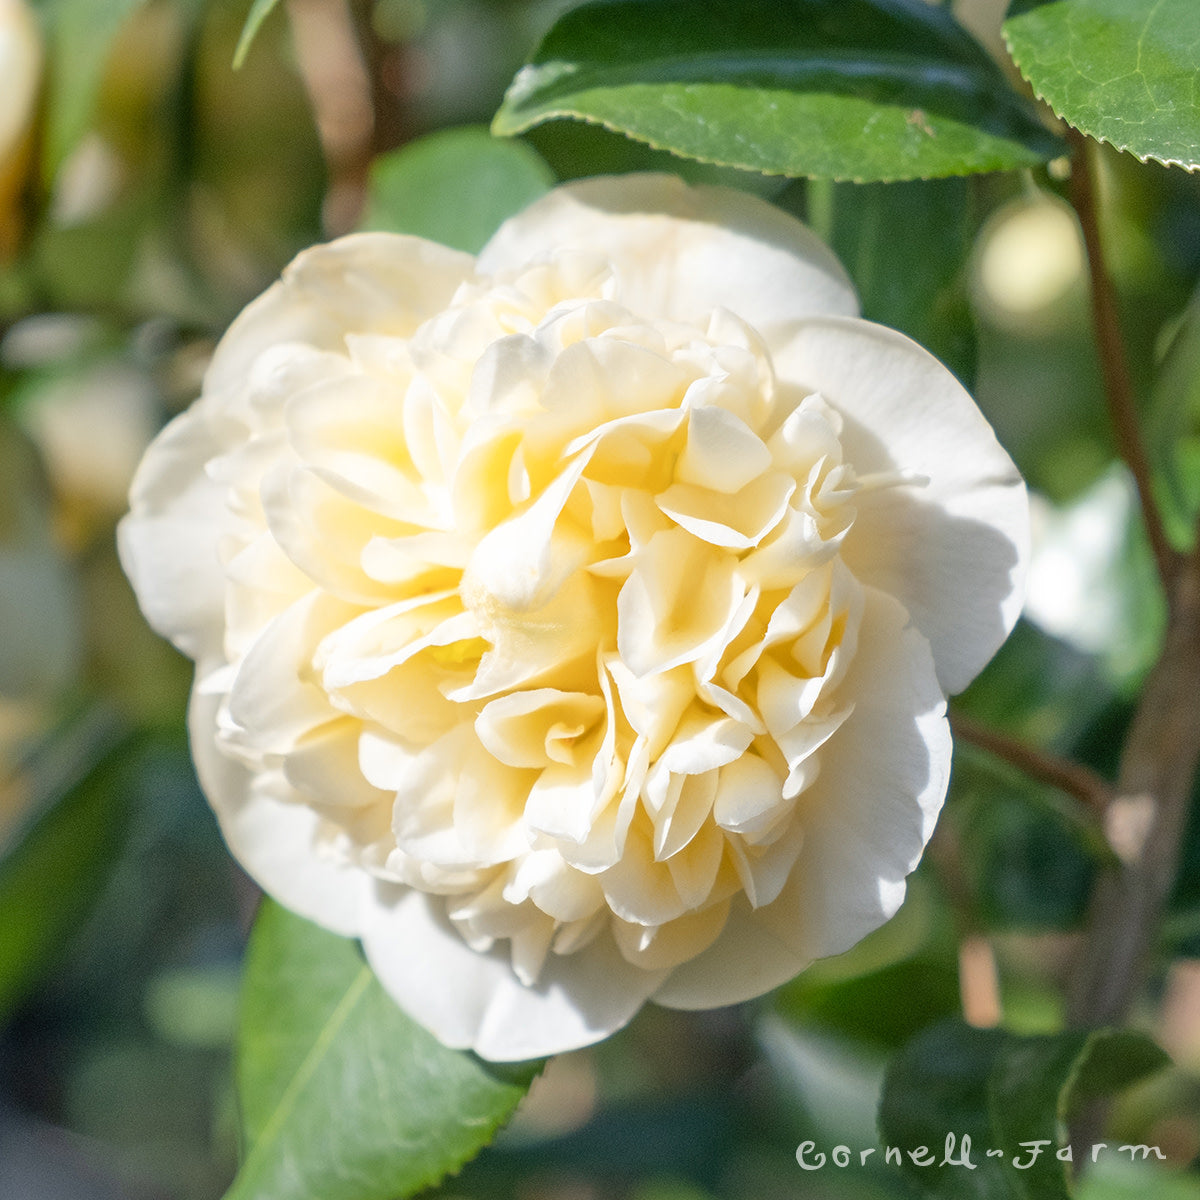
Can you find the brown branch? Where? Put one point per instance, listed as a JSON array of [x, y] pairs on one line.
[[1087, 786], [1145, 822], [1114, 364], [1145, 819]]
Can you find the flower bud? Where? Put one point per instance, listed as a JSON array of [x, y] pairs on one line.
[[20, 76]]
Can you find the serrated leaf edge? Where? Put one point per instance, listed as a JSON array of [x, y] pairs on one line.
[[355, 992], [1191, 168]]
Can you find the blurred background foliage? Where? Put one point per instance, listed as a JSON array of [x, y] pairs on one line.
[[168, 189]]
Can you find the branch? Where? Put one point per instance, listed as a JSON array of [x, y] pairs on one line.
[[1145, 822], [1087, 786], [1114, 365], [1145, 819]]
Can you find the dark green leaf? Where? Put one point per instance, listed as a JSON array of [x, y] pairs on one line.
[[454, 187], [1003, 1092], [577, 150], [905, 246], [53, 864], [864, 1008], [259, 11], [1122, 71], [343, 1096], [1027, 853], [80, 35], [1123, 1179], [842, 89], [1038, 687], [1173, 429]]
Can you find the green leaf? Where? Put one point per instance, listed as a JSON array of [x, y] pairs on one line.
[[1027, 853], [80, 35], [906, 246], [259, 11], [454, 187], [1123, 1179], [863, 1008], [1173, 429], [1002, 1092], [53, 864], [841, 89], [343, 1097], [1122, 71]]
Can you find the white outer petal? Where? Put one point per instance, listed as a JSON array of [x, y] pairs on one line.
[[473, 1001], [680, 252], [271, 834], [866, 820], [169, 543], [365, 283], [954, 551]]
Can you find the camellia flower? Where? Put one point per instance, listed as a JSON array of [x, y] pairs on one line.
[[573, 624], [20, 75]]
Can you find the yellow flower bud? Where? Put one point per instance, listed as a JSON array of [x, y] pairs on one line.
[[20, 75]]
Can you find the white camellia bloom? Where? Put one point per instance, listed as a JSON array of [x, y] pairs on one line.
[[574, 624]]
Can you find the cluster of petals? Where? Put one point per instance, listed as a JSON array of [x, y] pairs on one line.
[[574, 624]]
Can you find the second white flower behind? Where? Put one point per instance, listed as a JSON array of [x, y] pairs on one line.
[[574, 626]]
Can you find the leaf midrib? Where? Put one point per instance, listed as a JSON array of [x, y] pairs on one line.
[[304, 1073]]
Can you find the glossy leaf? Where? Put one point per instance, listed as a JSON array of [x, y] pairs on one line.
[[259, 11], [1005, 1093], [906, 246], [53, 863], [841, 89], [1173, 429], [1122, 71], [343, 1097], [454, 187], [863, 1008]]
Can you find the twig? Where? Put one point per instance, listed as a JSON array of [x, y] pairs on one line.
[[979, 982], [1086, 785], [391, 66], [1114, 365]]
